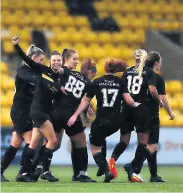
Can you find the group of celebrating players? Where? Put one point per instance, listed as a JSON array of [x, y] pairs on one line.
[[50, 100]]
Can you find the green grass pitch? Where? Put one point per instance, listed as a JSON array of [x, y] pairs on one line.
[[173, 175]]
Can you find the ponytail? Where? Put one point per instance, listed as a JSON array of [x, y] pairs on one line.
[[33, 50], [140, 56], [87, 64], [30, 50], [67, 54]]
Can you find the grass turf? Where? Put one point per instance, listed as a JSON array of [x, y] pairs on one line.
[[173, 175]]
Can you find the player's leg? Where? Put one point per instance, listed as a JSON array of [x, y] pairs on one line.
[[79, 143], [96, 141], [48, 132], [75, 161], [27, 158], [141, 118], [10, 153], [104, 151], [27, 138], [127, 127], [78, 140], [118, 150], [46, 129], [153, 148]]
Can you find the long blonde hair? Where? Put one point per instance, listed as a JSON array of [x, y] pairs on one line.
[[140, 57]]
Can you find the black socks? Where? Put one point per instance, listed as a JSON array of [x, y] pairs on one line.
[[118, 150], [152, 163], [101, 162], [8, 158], [140, 157], [47, 157]]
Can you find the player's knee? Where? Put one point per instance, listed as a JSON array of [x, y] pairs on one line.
[[58, 145], [80, 144], [16, 142], [152, 147], [54, 141]]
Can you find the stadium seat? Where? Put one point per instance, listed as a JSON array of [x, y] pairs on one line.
[[174, 86], [64, 30], [7, 46], [90, 38], [3, 68], [5, 117], [31, 5], [58, 5], [104, 37], [8, 83], [81, 21]]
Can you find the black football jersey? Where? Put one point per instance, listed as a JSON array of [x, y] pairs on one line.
[[47, 86], [108, 90], [25, 82], [160, 86], [76, 85], [138, 86]]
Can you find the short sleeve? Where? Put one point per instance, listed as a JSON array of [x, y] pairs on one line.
[[151, 79], [124, 86], [161, 86], [90, 93]]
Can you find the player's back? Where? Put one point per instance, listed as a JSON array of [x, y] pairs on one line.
[[138, 86], [108, 90], [25, 82]]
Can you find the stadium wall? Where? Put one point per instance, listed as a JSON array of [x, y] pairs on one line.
[[170, 152], [171, 53]]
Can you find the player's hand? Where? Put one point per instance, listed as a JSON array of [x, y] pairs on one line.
[[137, 104], [90, 113], [172, 116], [63, 90], [15, 40], [72, 120], [161, 104]]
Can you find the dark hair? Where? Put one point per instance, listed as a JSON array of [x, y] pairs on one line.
[[87, 64], [34, 51], [152, 57], [55, 52], [115, 65], [67, 53]]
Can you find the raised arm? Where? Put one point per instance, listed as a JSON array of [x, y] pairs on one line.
[[25, 58]]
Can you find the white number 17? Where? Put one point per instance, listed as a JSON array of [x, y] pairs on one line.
[[106, 92]]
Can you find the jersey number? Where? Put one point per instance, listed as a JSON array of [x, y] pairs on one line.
[[75, 86], [134, 84], [106, 92]]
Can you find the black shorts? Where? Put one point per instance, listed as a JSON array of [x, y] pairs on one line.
[[20, 116], [39, 117], [60, 119], [135, 119], [103, 127], [154, 126]]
